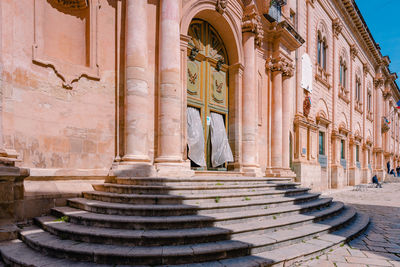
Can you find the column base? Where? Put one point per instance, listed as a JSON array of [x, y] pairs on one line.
[[252, 171], [174, 169], [338, 177], [133, 169], [279, 172], [354, 176]]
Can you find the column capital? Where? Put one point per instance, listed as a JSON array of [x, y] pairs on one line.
[[281, 64], [251, 22], [353, 51], [365, 69]]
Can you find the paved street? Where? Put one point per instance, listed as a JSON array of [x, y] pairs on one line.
[[379, 245]]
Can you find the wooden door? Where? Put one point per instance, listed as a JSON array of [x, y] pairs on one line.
[[207, 77]]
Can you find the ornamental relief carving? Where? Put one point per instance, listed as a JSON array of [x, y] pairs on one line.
[[337, 27], [221, 6], [280, 64], [252, 23], [353, 51], [77, 4]]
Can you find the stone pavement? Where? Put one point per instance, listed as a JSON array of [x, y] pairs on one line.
[[379, 245]]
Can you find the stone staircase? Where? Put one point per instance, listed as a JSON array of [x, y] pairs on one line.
[[199, 221]]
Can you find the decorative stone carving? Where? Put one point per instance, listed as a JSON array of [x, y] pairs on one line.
[[306, 105], [288, 69], [337, 27], [353, 51], [378, 82], [365, 68], [252, 23], [221, 6], [76, 4], [280, 64]]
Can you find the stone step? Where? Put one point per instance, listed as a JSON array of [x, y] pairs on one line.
[[191, 199], [269, 241], [314, 247], [172, 237], [262, 226], [52, 245], [82, 217], [183, 209], [75, 232], [209, 181], [16, 253], [248, 216], [185, 190], [293, 254]]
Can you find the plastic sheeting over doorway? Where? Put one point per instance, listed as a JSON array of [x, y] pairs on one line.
[[220, 149], [195, 136]]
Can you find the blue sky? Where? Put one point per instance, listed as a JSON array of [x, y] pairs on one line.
[[383, 20]]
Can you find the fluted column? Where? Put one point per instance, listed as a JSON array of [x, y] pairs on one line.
[[137, 89]]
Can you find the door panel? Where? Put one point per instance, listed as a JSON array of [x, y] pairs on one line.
[[207, 76]]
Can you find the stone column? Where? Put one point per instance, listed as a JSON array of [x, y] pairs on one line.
[[251, 35], [276, 117], [170, 157], [378, 149], [286, 108], [136, 160], [137, 88]]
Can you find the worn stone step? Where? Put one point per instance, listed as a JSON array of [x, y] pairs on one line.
[[68, 230], [185, 190], [87, 218], [16, 253], [183, 209], [52, 245], [248, 216], [263, 226], [313, 247], [82, 217], [292, 255], [125, 237], [269, 241], [191, 199], [199, 180], [132, 210]]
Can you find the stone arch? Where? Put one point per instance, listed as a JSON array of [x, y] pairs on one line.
[[322, 30], [323, 110], [358, 129], [225, 24], [344, 122], [322, 44]]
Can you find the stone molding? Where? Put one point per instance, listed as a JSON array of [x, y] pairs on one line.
[[221, 6], [68, 72], [365, 69], [251, 22]]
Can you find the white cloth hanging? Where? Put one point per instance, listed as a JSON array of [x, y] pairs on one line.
[[220, 150], [195, 136]]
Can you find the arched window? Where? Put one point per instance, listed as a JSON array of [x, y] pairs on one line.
[[358, 89], [322, 51], [342, 72]]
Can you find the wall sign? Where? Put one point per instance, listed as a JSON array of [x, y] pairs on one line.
[[306, 72]]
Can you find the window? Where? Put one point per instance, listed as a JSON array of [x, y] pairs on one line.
[[342, 151], [369, 100], [357, 153], [342, 72], [321, 143], [358, 89], [321, 51]]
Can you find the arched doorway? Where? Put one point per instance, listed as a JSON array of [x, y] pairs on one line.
[[207, 95]]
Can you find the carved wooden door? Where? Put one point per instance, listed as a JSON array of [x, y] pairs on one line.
[[207, 77]]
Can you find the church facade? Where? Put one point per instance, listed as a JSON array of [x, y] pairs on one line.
[[196, 87]]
